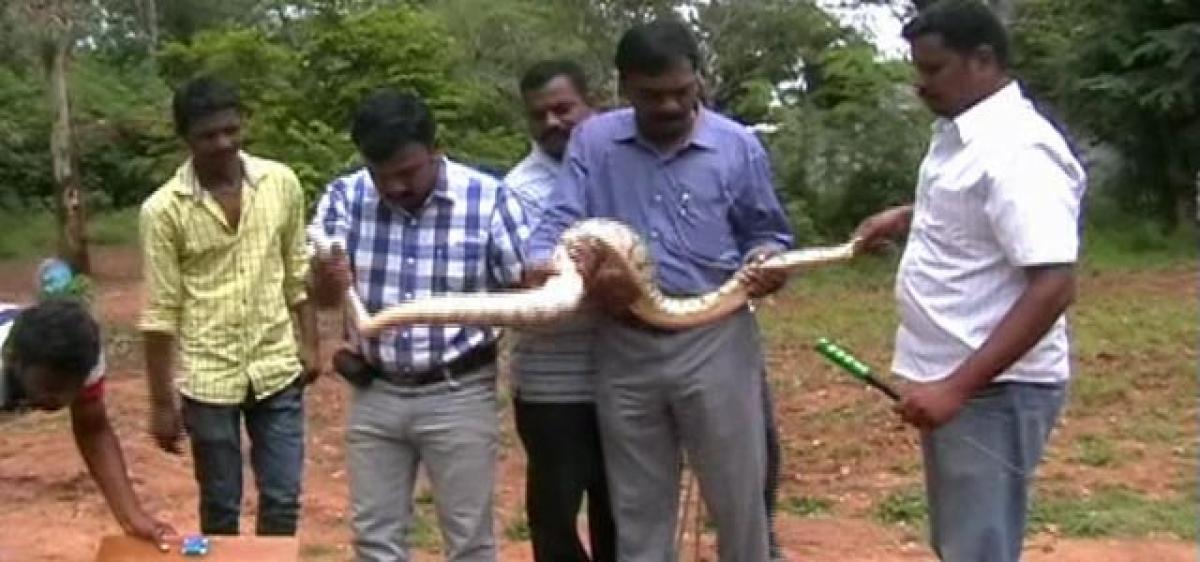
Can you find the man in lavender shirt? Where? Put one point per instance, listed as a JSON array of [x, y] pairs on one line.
[[697, 186]]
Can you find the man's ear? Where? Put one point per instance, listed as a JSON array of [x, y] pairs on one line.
[[985, 56]]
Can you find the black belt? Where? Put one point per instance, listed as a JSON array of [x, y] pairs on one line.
[[360, 373], [472, 360]]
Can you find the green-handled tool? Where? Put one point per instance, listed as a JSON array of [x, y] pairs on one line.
[[838, 355]]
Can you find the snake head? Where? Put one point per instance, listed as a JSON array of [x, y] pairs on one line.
[[586, 255], [607, 282]]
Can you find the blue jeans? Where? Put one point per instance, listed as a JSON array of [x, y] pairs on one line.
[[977, 499], [276, 429]]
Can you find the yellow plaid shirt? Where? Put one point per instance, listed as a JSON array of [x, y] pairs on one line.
[[225, 292]]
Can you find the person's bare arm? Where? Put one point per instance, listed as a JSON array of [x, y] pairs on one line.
[[101, 453], [166, 422], [877, 230], [304, 314], [160, 320], [330, 279]]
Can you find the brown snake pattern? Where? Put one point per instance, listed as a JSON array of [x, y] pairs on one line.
[[564, 292]]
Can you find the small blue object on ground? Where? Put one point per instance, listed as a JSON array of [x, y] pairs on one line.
[[195, 545]]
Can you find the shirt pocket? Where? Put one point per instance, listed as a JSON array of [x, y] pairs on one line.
[[953, 205], [701, 216], [464, 259]]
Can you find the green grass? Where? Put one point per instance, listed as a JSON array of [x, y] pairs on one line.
[[806, 506], [1109, 512], [903, 507], [1134, 340], [1095, 451], [1129, 243], [1132, 397], [1115, 512], [31, 233], [114, 228], [26, 234], [423, 532], [1155, 425], [517, 530]]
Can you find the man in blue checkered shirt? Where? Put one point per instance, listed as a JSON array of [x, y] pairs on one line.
[[416, 224]]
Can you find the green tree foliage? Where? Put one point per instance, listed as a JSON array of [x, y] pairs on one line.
[[760, 50], [848, 134], [1126, 75], [300, 98], [852, 146], [24, 135]]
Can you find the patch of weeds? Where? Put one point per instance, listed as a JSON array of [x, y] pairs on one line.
[[1155, 425], [1095, 392], [424, 496], [806, 506], [903, 507], [114, 228], [423, 531], [517, 530], [1095, 451]]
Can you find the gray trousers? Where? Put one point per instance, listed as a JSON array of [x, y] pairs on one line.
[[977, 504], [697, 390], [455, 433]]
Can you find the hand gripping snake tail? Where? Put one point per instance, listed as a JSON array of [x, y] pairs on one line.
[[563, 292]]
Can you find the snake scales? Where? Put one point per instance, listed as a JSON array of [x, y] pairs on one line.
[[563, 292]]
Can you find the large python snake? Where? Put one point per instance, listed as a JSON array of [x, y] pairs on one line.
[[564, 292]]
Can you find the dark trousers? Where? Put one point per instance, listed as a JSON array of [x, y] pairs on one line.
[[276, 429], [565, 462], [774, 462]]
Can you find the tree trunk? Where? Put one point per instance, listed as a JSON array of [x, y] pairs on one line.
[[147, 13], [150, 13], [68, 203]]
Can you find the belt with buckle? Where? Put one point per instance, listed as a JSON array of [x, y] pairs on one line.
[[360, 373], [472, 360]]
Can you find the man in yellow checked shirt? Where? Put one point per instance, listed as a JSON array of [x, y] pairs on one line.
[[225, 267]]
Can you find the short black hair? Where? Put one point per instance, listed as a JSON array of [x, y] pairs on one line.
[[964, 25], [541, 73], [388, 120], [57, 334], [201, 97], [656, 47]]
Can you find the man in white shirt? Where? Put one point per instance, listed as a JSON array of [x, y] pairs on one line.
[[986, 277], [554, 401]]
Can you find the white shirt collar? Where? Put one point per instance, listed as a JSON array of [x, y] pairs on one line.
[[992, 111]]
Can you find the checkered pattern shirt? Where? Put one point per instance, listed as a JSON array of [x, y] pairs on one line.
[[465, 239]]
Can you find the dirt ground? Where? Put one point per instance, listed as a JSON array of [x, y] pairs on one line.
[[51, 510]]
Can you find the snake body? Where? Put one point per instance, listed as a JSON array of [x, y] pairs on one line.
[[564, 292]]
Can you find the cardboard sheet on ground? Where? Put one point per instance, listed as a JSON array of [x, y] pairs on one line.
[[120, 548]]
